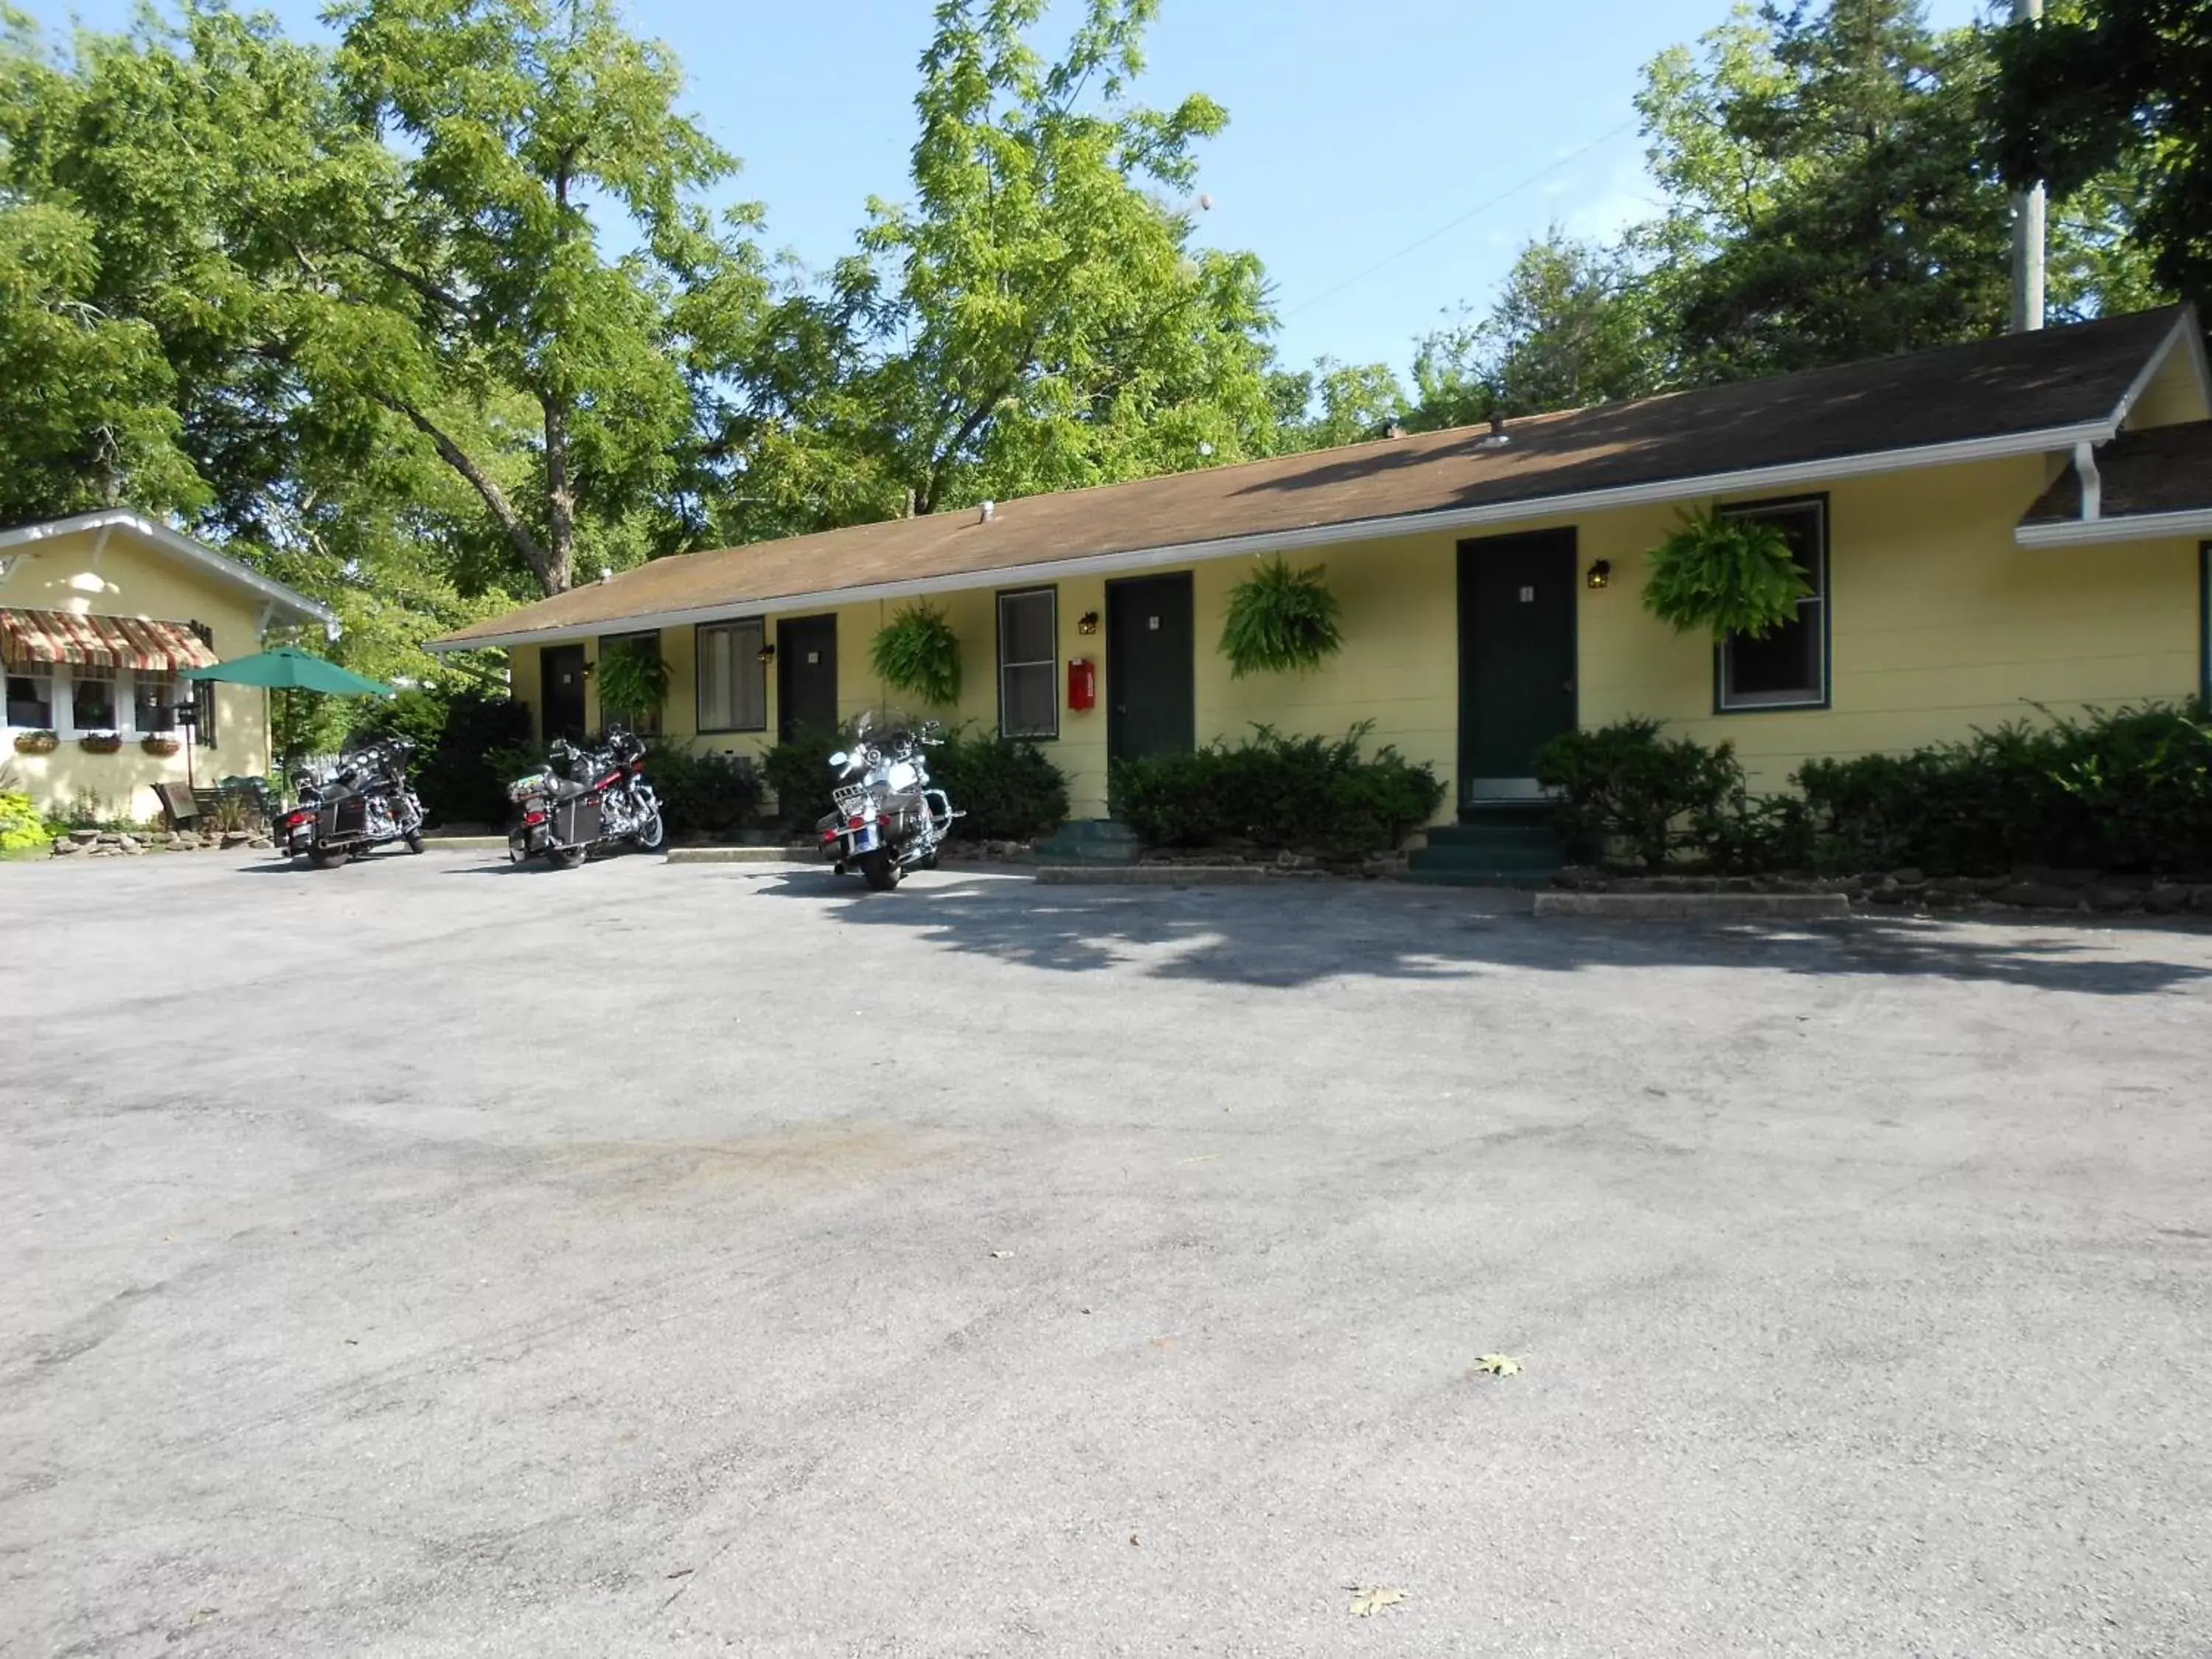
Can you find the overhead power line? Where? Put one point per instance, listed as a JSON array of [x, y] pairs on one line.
[[1483, 206]]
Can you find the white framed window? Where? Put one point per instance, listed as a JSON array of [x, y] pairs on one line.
[[732, 678], [30, 696], [1029, 663], [92, 698], [1788, 668]]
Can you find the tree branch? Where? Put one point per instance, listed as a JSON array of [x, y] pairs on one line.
[[519, 534]]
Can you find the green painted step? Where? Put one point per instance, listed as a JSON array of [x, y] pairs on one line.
[[1528, 837]]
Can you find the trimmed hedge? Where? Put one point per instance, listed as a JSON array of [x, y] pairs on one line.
[[703, 792], [1008, 786], [2126, 790], [1273, 792]]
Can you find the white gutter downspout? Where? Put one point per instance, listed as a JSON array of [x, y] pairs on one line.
[[2093, 483]]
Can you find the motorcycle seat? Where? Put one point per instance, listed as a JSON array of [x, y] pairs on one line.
[[569, 789]]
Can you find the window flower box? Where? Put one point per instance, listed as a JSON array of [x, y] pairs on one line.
[[36, 743], [100, 743], [158, 745]]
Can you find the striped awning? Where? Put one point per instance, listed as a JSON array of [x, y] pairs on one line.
[[49, 636]]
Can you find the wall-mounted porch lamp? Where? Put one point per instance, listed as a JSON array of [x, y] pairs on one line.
[[1599, 575], [767, 653], [1087, 622]]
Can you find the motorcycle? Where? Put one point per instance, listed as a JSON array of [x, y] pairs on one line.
[[592, 797], [885, 824], [366, 802]]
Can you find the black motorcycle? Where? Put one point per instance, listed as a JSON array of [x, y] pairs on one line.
[[366, 802], [592, 797]]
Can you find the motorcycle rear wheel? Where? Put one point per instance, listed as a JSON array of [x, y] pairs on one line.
[[327, 858], [881, 872], [564, 858]]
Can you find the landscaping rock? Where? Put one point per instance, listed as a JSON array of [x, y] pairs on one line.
[[107, 838], [1908, 877], [2167, 898], [84, 837], [235, 837], [2200, 901], [188, 839], [2110, 896], [260, 843], [67, 844]]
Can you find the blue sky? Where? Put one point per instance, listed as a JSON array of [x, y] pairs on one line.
[[1355, 129]]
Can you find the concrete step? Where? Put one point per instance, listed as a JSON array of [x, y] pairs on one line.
[[1526, 879]]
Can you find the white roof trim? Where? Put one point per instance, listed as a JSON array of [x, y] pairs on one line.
[[183, 547], [2125, 527], [1751, 481]]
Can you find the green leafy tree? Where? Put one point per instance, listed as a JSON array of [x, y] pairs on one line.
[[2122, 86], [482, 273], [1035, 316], [1333, 403], [1570, 327], [1830, 196], [92, 420]]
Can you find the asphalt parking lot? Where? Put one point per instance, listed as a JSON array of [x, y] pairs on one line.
[[425, 1258]]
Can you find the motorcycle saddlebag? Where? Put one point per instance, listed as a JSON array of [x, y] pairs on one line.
[[344, 819], [576, 820]]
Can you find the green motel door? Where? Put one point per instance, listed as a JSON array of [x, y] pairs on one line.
[[1516, 660]]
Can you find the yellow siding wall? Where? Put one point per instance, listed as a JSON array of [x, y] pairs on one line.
[[1940, 623], [113, 573]]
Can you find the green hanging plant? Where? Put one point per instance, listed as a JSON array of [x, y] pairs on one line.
[[1728, 575], [918, 652], [633, 682], [1280, 620]]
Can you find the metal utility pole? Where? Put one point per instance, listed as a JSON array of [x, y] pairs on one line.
[[2029, 220]]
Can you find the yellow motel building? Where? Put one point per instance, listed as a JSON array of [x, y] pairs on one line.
[[99, 614], [1989, 530]]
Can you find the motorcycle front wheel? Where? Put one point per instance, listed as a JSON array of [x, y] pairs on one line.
[[414, 841], [650, 837], [881, 872]]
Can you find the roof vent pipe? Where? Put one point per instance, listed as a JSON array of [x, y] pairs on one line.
[[1498, 437], [990, 512]]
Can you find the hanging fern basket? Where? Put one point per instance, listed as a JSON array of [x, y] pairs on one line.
[[1726, 576], [633, 682], [1280, 621], [918, 652]]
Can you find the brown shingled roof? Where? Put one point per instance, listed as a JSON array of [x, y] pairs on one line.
[[2161, 469], [2013, 386]]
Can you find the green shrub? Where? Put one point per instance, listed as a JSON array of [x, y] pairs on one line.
[[1008, 787], [1624, 789], [465, 743], [703, 792], [22, 826], [797, 773], [2128, 789], [1276, 792]]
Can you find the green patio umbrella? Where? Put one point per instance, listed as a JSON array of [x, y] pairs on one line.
[[288, 669]]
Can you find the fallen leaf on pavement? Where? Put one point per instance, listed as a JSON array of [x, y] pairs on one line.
[[1368, 1599], [1000, 1255], [1497, 1364], [681, 1572]]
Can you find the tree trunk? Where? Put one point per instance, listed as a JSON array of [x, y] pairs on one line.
[[560, 497]]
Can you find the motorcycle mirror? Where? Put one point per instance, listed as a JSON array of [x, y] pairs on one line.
[[839, 758]]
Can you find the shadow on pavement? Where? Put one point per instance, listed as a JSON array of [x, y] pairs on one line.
[[1292, 936]]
